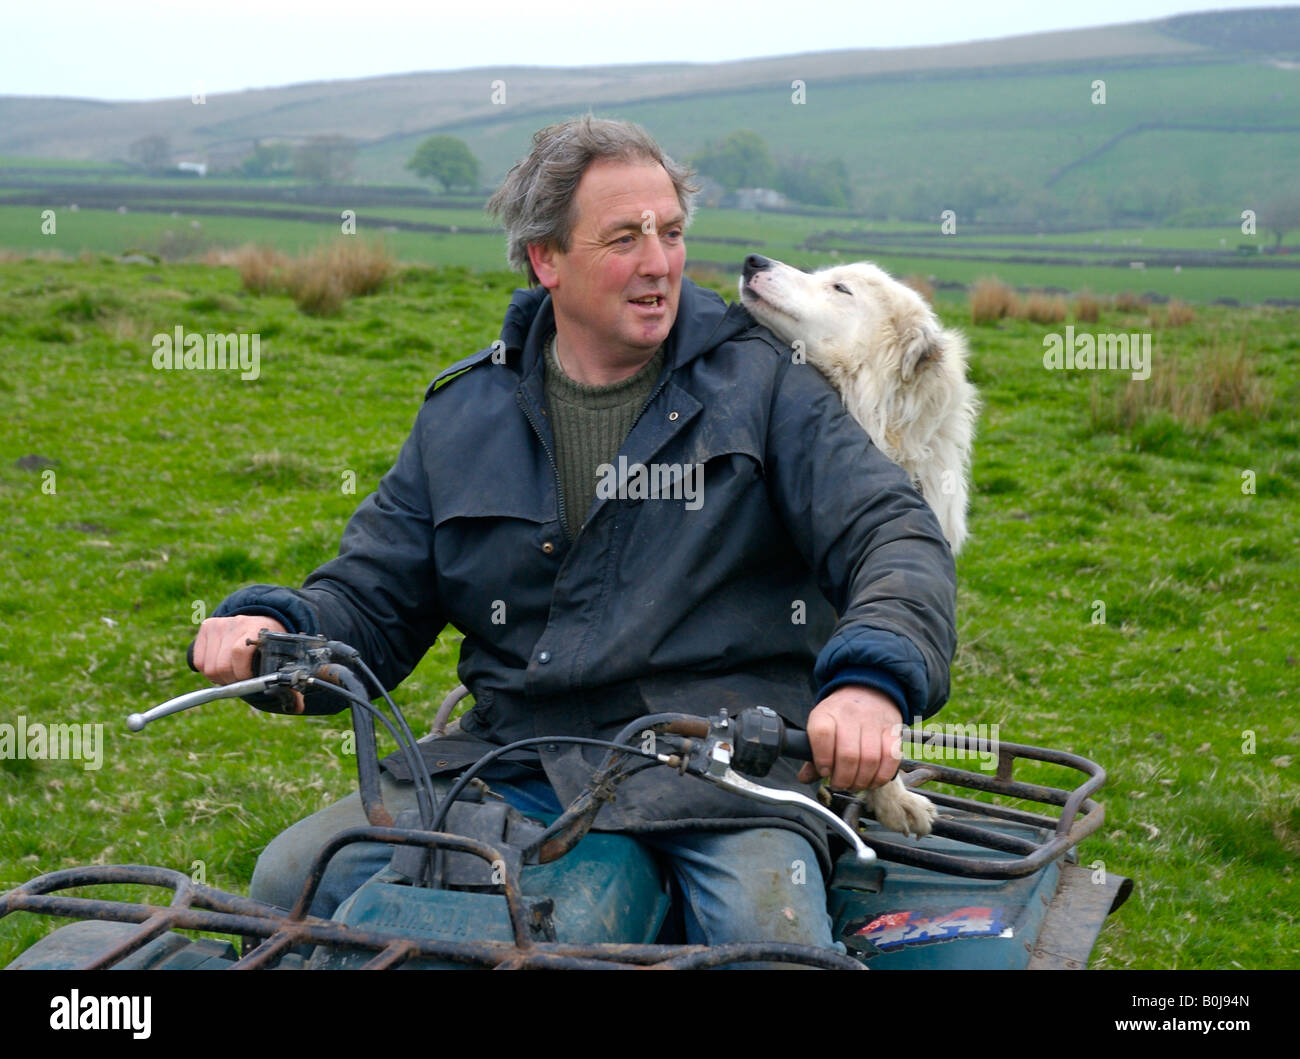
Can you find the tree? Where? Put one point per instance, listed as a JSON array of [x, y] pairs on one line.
[[816, 183], [446, 160], [739, 161], [325, 159], [1280, 216], [152, 152], [267, 159]]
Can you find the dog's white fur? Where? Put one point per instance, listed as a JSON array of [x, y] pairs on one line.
[[902, 376]]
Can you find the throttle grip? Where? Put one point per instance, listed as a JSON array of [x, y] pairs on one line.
[[759, 736], [797, 744]]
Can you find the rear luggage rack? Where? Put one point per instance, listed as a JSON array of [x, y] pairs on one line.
[[1063, 832]]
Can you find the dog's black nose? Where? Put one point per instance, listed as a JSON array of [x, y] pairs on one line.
[[755, 263]]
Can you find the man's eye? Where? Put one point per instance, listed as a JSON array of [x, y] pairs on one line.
[[843, 289], [676, 233]]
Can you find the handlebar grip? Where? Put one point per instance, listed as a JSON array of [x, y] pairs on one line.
[[797, 745], [255, 663]]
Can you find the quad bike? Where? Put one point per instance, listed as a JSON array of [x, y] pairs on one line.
[[474, 883]]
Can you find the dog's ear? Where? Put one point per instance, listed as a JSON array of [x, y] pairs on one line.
[[920, 346]]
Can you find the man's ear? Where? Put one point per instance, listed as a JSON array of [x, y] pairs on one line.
[[542, 257]]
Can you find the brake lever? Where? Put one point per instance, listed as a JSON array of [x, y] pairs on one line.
[[136, 721], [721, 774]]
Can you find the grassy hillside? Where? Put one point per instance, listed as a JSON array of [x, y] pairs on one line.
[[983, 127], [170, 489], [1012, 124], [378, 107]]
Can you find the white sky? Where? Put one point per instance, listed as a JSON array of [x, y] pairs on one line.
[[137, 49]]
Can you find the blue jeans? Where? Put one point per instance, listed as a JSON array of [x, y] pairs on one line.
[[760, 884]]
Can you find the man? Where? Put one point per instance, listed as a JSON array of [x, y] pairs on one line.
[[518, 511]]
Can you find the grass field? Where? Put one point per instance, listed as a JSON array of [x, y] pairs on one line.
[[137, 499], [1192, 264]]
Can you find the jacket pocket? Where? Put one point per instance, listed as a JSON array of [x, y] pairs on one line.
[[496, 566]]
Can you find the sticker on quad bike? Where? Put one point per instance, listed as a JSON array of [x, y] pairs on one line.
[[896, 929]]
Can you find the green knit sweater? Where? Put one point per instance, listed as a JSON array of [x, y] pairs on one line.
[[590, 424]]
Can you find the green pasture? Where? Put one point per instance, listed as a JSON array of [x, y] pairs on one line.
[[903, 249], [137, 499]]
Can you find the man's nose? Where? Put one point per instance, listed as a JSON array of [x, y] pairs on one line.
[[654, 261]]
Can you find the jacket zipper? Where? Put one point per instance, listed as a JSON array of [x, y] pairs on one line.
[[650, 400], [555, 467]]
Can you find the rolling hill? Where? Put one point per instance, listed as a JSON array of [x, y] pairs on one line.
[[1203, 109]]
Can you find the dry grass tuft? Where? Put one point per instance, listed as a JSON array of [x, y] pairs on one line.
[[319, 281], [1128, 302], [1045, 309], [261, 268], [1191, 391], [315, 289], [992, 300], [362, 268], [1177, 314], [1087, 307]]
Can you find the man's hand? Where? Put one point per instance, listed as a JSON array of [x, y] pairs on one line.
[[856, 738], [223, 654]]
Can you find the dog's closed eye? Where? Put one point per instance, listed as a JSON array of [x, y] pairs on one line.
[[843, 289]]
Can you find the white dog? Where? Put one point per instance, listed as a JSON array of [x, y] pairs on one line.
[[903, 378], [899, 373]]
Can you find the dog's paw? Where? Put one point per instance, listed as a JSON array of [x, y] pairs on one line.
[[899, 809]]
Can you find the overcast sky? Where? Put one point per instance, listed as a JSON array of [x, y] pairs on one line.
[[136, 49]]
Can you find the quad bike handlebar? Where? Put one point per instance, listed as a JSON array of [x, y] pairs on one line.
[[717, 749], [721, 749]]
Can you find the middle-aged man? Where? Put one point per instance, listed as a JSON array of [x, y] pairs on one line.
[[584, 608]]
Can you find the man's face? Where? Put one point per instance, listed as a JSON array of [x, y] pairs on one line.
[[627, 245]]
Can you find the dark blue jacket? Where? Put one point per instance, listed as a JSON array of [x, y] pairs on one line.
[[659, 604]]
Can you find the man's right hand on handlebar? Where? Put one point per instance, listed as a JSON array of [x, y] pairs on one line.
[[223, 652]]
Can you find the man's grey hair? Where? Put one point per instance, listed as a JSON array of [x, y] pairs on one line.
[[537, 200]]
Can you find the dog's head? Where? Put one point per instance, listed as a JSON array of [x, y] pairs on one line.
[[846, 318]]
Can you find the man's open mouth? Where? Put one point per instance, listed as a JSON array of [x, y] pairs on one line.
[[650, 301]]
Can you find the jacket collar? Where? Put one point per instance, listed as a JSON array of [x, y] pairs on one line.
[[703, 321]]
